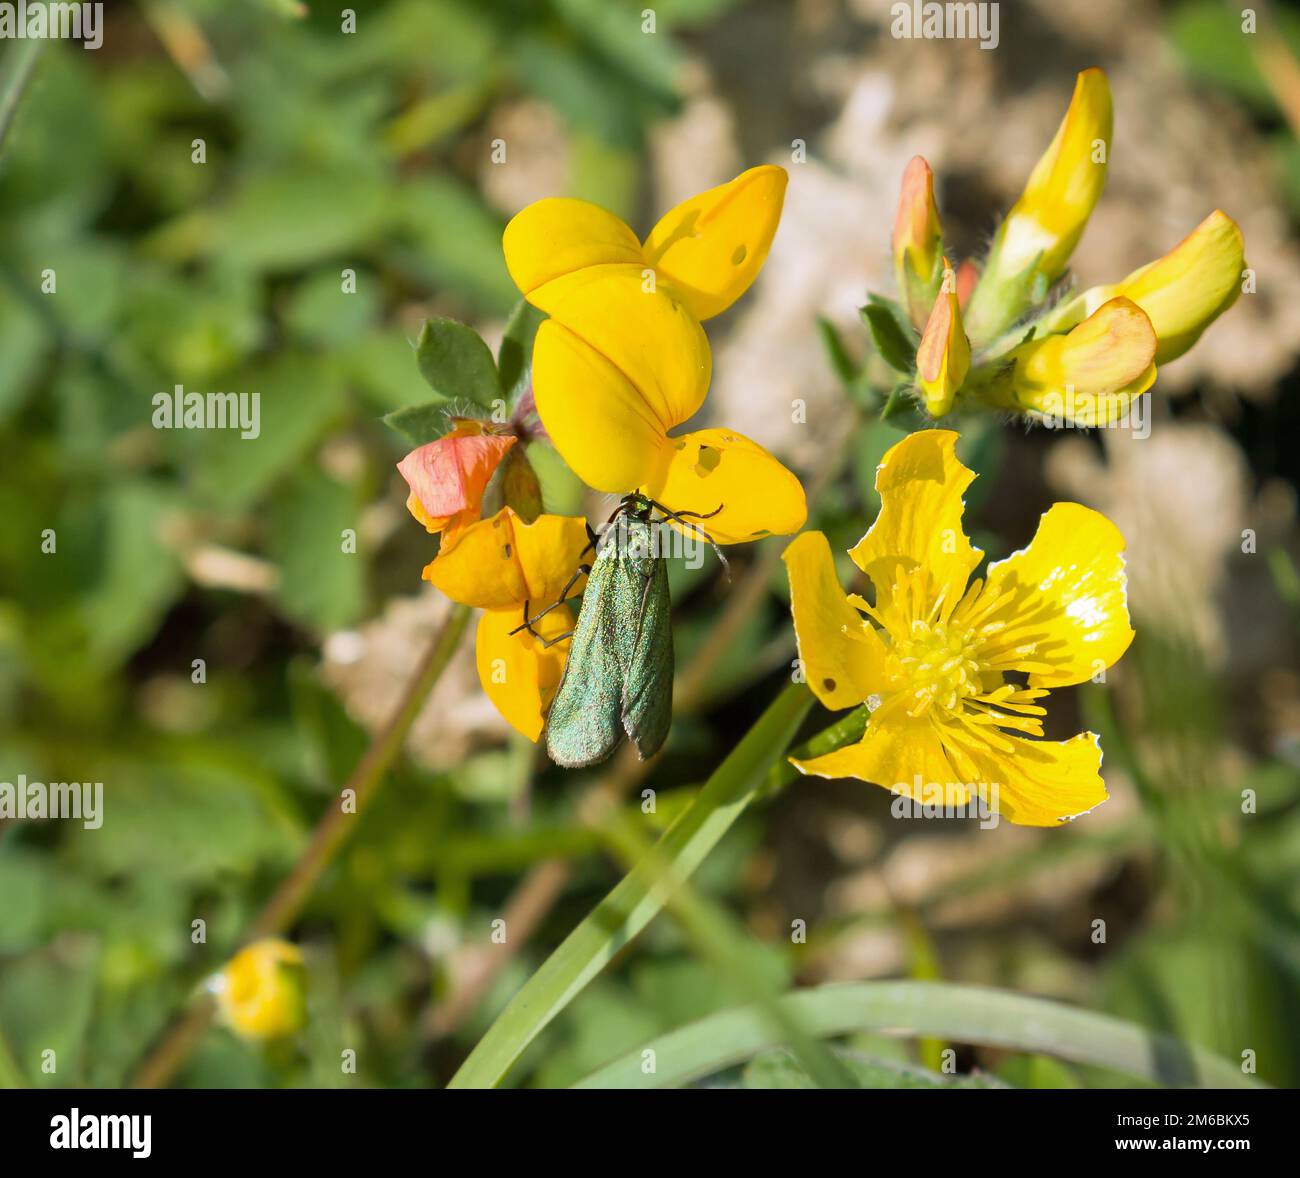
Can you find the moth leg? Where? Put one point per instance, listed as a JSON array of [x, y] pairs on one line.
[[583, 570], [681, 518], [547, 643]]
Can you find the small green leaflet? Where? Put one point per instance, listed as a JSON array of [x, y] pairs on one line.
[[619, 673]]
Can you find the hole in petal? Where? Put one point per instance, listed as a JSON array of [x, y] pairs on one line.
[[829, 684], [739, 255], [708, 461], [505, 552]]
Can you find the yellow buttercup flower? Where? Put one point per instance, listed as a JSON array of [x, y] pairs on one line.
[[943, 359], [622, 359], [1181, 293], [932, 655], [1043, 227], [261, 993]]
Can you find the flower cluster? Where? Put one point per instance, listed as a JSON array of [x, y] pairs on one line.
[[993, 337]]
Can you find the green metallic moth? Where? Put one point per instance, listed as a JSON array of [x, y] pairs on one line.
[[619, 674]]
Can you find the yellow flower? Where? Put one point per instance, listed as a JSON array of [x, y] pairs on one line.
[[505, 567], [261, 993], [1181, 293], [918, 265], [945, 722], [622, 359], [943, 359], [501, 562], [1043, 227], [519, 673], [1090, 376]]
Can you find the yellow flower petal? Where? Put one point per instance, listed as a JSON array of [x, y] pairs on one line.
[[1032, 782], [1092, 374], [1064, 186], [595, 416], [1191, 286], [518, 673], [943, 359], [843, 657], [1063, 616], [719, 468], [905, 756], [559, 235], [502, 562], [921, 482], [261, 992], [711, 247], [642, 330]]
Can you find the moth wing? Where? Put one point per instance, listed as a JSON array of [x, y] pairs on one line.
[[648, 678], [582, 727]]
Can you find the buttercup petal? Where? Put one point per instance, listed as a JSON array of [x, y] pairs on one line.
[[518, 673], [711, 247], [638, 327], [1058, 609], [595, 416], [921, 482], [502, 562], [905, 756], [559, 235], [843, 657], [1031, 782], [714, 469], [261, 992]]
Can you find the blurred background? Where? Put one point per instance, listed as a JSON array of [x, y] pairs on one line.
[[373, 151]]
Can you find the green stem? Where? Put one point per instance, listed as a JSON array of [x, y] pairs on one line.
[[637, 899], [13, 87], [963, 1014]]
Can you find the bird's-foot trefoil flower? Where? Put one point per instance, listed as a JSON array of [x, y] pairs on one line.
[[513, 570], [955, 671], [261, 992], [622, 360], [1005, 335]]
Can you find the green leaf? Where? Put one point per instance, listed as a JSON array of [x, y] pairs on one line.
[[779, 1069], [515, 356], [638, 898], [896, 348], [321, 583], [420, 423], [840, 359], [457, 363], [963, 1014]]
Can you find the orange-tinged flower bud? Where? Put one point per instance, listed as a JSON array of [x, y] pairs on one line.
[[447, 476], [943, 359], [916, 241], [261, 993]]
